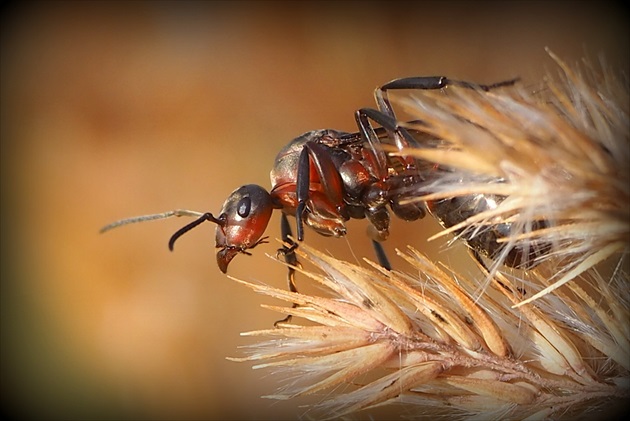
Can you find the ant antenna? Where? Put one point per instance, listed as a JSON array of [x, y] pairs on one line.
[[177, 212], [205, 217], [154, 216]]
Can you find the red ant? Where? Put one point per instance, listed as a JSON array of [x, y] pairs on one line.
[[326, 177]]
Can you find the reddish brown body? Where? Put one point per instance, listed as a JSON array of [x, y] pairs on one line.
[[326, 177], [244, 218], [345, 181]]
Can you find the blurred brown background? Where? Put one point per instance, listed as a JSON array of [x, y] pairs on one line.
[[115, 110]]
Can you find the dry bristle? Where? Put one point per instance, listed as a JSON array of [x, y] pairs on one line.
[[427, 342], [561, 155], [431, 341]]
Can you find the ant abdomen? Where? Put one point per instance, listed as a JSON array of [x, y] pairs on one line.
[[491, 239]]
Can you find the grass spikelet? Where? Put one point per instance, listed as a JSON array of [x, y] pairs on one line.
[[548, 341], [559, 155], [434, 362]]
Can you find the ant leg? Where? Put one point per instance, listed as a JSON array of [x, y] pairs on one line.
[[377, 199], [288, 251], [388, 122], [428, 83], [421, 82], [321, 157], [369, 135], [439, 82], [303, 184], [394, 131], [387, 117], [290, 258], [381, 255]]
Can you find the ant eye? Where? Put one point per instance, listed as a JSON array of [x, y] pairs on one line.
[[244, 206]]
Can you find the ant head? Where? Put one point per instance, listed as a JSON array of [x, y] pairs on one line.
[[241, 224], [246, 213]]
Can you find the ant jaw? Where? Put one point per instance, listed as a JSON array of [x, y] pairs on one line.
[[225, 256]]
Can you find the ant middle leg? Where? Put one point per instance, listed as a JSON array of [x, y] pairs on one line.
[[381, 256], [288, 251], [379, 194]]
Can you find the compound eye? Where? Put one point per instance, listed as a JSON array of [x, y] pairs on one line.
[[244, 206]]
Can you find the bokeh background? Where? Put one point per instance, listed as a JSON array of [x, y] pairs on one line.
[[119, 109]]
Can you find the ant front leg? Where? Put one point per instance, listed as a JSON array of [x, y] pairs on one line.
[[328, 209], [325, 214], [288, 251], [332, 183]]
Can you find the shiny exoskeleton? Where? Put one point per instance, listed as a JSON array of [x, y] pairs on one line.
[[326, 177], [485, 241], [323, 178], [345, 180]]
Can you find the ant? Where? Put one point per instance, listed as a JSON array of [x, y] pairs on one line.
[[326, 177]]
